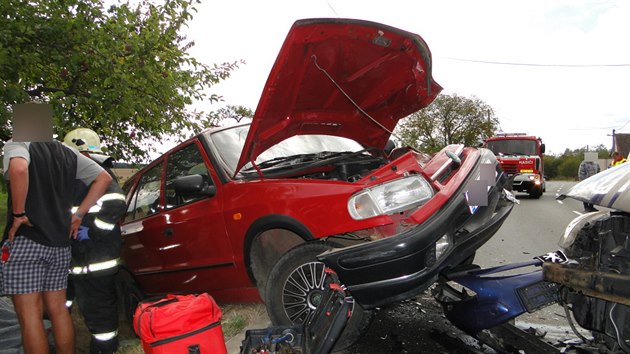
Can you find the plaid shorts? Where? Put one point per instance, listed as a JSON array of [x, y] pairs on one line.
[[33, 267]]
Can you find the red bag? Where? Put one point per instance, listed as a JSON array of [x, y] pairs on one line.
[[180, 324]]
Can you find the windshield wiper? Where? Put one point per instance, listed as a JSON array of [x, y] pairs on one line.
[[306, 160], [282, 159], [516, 153]]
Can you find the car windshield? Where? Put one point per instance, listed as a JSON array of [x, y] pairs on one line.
[[229, 144], [513, 147]]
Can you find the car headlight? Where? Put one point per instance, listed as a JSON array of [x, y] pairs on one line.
[[389, 198]]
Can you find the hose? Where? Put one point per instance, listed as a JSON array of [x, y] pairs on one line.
[[622, 343]]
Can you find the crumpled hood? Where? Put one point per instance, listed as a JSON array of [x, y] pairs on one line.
[[332, 75], [609, 188]]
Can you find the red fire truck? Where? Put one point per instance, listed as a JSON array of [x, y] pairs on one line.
[[521, 156]]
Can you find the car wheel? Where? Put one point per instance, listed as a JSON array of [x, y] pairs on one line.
[[536, 193], [296, 286]]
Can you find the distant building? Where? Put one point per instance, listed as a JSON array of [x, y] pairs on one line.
[[621, 143]]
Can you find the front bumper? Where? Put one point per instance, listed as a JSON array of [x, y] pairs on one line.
[[397, 268], [525, 183]]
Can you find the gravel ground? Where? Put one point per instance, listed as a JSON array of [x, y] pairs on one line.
[[415, 326]]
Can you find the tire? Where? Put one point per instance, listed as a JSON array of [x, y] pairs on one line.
[[289, 305], [535, 193]]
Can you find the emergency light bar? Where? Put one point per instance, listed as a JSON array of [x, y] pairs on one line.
[[509, 134]]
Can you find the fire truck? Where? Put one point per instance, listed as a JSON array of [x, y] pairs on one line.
[[521, 157]]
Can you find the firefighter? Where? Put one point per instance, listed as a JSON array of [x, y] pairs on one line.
[[618, 159], [96, 251]]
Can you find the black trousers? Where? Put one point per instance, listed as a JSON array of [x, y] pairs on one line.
[[96, 297]]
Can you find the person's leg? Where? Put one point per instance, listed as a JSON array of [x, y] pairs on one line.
[[23, 275], [96, 297], [54, 295], [30, 311], [63, 330]]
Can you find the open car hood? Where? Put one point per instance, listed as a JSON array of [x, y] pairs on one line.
[[609, 189], [343, 77]]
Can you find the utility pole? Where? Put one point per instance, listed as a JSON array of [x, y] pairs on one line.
[[614, 143]]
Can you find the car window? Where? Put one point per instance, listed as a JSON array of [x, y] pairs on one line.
[[146, 197], [515, 146], [184, 162], [229, 144]]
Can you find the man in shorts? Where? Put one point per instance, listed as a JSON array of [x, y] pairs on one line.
[[42, 177]]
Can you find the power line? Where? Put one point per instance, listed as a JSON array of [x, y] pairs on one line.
[[593, 128], [332, 8], [624, 125], [536, 65]]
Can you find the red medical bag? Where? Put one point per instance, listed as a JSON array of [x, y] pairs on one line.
[[180, 324]]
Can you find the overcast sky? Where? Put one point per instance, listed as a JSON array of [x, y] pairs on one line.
[[556, 69]]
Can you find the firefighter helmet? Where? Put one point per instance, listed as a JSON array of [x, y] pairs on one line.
[[83, 139]]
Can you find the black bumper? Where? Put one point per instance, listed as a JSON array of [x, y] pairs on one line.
[[397, 268]]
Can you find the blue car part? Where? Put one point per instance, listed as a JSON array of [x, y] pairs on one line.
[[496, 299]]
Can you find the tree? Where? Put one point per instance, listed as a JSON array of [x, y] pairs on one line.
[[450, 119], [235, 113], [122, 71], [565, 165]]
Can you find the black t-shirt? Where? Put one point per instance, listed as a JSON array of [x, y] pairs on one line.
[[52, 178]]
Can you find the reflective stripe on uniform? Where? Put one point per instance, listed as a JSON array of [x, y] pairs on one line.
[[103, 225], [105, 198], [68, 303], [95, 267], [94, 209], [112, 196], [105, 336]]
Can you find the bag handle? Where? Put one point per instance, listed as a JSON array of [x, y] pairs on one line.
[[163, 303], [156, 304]]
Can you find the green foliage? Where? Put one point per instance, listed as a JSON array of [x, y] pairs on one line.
[[565, 165], [237, 113], [122, 70], [568, 166], [551, 166], [450, 119], [3, 209]]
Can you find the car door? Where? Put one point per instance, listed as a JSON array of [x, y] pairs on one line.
[[143, 223], [189, 250]]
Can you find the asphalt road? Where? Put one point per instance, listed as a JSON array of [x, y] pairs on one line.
[[534, 227], [418, 326]]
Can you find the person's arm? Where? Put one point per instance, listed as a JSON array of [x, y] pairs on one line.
[[97, 189], [18, 175]]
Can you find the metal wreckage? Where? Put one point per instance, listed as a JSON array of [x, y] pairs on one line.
[[589, 276]]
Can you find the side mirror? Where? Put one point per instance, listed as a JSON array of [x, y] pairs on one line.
[[542, 148], [193, 185], [389, 146]]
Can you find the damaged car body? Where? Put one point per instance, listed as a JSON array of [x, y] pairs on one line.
[[400, 267], [243, 212], [589, 276], [597, 282]]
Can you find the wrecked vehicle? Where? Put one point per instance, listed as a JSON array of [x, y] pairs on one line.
[[243, 212], [597, 285], [589, 277]]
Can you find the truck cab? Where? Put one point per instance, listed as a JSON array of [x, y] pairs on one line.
[[520, 156]]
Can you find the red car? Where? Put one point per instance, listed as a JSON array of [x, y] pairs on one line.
[[243, 212]]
